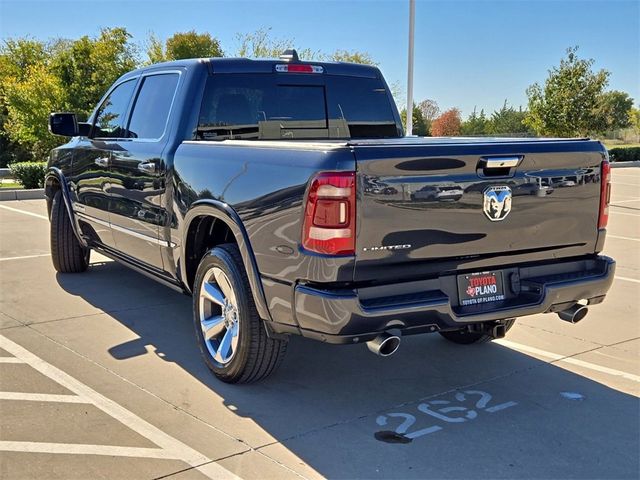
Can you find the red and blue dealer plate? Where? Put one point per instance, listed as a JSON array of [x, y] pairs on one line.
[[479, 288]]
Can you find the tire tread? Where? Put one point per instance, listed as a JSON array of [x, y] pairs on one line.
[[67, 255]]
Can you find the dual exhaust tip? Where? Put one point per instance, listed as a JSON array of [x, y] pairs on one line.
[[574, 314], [384, 344]]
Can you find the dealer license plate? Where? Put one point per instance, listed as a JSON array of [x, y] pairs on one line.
[[479, 288]]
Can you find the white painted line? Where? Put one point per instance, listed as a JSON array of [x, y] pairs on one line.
[[42, 397], [619, 237], [10, 360], [502, 406], [625, 201], [176, 448], [627, 184], [80, 449], [615, 212], [37, 215], [573, 361], [627, 279], [25, 257]]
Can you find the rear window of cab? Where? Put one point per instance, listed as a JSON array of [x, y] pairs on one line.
[[290, 106]]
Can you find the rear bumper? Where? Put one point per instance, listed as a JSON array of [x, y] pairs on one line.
[[351, 316]]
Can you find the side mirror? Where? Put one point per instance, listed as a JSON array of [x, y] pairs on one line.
[[67, 125]]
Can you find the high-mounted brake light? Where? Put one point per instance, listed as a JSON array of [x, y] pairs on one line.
[[330, 214], [298, 68], [605, 194]]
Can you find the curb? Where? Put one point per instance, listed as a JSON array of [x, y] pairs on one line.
[[625, 164], [34, 194]]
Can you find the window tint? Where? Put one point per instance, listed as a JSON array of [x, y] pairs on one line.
[[151, 109], [110, 118], [276, 106], [364, 104]]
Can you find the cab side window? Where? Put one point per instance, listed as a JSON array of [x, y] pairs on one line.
[[152, 105], [110, 117]]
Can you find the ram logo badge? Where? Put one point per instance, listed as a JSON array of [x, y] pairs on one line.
[[497, 203], [386, 247]]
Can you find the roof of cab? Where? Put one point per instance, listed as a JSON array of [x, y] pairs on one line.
[[246, 65]]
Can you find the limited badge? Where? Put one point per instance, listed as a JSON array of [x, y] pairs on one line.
[[497, 202]]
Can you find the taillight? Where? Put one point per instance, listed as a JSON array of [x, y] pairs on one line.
[[605, 194], [330, 214]]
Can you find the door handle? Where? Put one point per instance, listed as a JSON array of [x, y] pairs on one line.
[[501, 162], [102, 161], [147, 167]]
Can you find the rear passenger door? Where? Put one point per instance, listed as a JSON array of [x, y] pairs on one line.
[[138, 171]]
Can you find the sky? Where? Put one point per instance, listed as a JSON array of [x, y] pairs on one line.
[[467, 53]]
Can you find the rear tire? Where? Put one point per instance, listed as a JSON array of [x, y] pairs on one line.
[[67, 254], [465, 337], [237, 348]]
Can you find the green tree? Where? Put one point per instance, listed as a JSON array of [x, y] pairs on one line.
[[261, 44], [29, 103], [419, 125], [16, 57], [183, 45], [351, 57], [430, 111], [634, 119], [612, 111], [87, 67], [566, 105], [476, 124], [508, 121], [37, 78]]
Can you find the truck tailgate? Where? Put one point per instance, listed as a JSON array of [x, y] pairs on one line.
[[426, 204]]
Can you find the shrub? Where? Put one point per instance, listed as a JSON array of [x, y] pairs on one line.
[[630, 154], [29, 174]]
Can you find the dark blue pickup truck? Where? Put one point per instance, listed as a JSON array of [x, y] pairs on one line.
[[284, 197]]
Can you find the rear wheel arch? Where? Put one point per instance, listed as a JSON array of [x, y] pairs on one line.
[[208, 224]]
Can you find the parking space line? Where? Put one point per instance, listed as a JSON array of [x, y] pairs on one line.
[[42, 397], [25, 257], [620, 237], [82, 449], [627, 279], [10, 360], [172, 447], [37, 215], [626, 201], [627, 184], [615, 212], [573, 361]]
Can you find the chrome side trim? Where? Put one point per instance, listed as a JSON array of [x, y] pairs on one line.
[[118, 228]]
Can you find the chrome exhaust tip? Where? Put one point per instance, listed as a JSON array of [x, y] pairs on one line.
[[384, 344], [574, 314]]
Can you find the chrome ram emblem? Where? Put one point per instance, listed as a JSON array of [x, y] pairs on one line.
[[497, 203]]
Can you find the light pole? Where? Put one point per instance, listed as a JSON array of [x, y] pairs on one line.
[[412, 15]]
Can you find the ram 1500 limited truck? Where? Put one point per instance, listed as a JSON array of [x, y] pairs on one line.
[[284, 197]]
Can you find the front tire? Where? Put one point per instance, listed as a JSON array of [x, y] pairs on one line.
[[466, 337], [67, 254], [230, 334]]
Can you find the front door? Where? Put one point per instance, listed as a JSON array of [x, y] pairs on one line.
[[137, 172], [89, 178]]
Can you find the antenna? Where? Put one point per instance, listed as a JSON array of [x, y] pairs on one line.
[[289, 55]]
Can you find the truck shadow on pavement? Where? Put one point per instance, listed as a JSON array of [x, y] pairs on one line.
[[336, 408]]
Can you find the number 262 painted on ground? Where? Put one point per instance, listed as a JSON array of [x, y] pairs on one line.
[[444, 411]]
